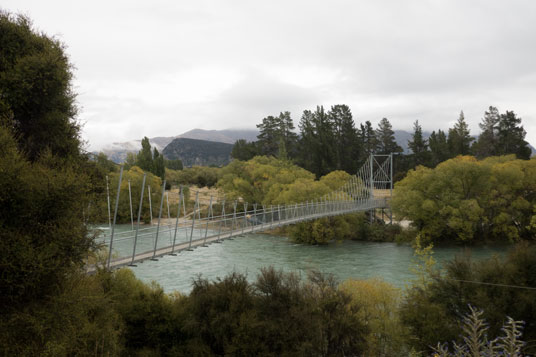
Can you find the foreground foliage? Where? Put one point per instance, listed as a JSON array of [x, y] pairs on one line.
[[445, 297], [477, 343]]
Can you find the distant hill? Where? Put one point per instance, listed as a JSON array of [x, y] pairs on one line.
[[117, 152], [198, 152], [229, 136]]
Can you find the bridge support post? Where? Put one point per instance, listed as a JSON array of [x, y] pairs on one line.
[[159, 219], [177, 222], [150, 205], [130, 202], [391, 191], [139, 217], [109, 210], [115, 215], [209, 214], [263, 216], [245, 217], [196, 206], [222, 220], [254, 214], [234, 220]]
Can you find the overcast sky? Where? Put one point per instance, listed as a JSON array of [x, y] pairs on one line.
[[160, 68]]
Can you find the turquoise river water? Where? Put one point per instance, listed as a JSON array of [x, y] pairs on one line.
[[248, 254]]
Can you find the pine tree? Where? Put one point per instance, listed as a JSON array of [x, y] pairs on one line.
[[307, 140], [511, 136], [159, 168], [439, 148], [324, 160], [145, 157], [487, 142], [269, 133], [345, 138], [418, 145], [459, 138], [386, 143], [368, 139], [286, 132]]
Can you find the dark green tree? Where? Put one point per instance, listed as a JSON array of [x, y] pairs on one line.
[[307, 141], [418, 145], [36, 97], [272, 130], [386, 143], [286, 132], [268, 138], [145, 158], [244, 151], [459, 139], [368, 139], [347, 144], [324, 150], [511, 136], [159, 168], [487, 143], [439, 148]]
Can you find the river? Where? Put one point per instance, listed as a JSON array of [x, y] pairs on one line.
[[248, 254]]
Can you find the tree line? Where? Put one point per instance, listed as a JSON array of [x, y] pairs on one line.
[[331, 140]]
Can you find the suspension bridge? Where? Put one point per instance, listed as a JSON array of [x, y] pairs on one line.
[[369, 190]]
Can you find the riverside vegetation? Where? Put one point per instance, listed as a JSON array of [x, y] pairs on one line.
[[50, 307]]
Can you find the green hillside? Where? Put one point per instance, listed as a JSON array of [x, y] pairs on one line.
[[198, 152]]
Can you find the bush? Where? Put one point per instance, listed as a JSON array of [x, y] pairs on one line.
[[447, 296]]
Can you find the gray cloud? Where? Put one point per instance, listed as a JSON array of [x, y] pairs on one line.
[[161, 68]]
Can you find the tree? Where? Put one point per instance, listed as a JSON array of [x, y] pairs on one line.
[[159, 168], [487, 143], [36, 97], [286, 132], [466, 200], [268, 138], [130, 160], [459, 139], [175, 164], [439, 148], [145, 158], [243, 150], [418, 145], [47, 185], [307, 140], [274, 129], [511, 136], [368, 139], [347, 145], [324, 150], [386, 138]]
